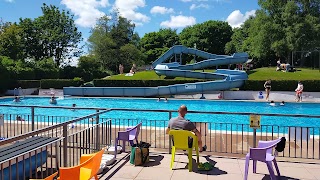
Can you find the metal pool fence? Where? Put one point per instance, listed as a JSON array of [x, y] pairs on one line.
[[39, 153], [37, 146]]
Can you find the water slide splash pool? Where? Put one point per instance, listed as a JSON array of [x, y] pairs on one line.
[[227, 79]]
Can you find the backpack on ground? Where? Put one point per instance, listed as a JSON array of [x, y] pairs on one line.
[[281, 145]]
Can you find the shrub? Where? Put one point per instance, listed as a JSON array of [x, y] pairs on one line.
[[282, 85], [25, 84], [4, 79], [139, 83], [59, 83]]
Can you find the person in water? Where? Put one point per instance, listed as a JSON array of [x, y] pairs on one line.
[[267, 86], [73, 105], [19, 118], [282, 103], [53, 100], [272, 103], [16, 99]]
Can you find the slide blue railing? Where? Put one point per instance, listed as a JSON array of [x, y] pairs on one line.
[[226, 79]]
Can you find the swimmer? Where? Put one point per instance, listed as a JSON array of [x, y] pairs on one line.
[[272, 103], [282, 103], [16, 99], [158, 99], [73, 105], [166, 100], [53, 100], [19, 118]]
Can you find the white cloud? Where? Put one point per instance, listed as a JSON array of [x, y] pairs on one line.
[[127, 9], [179, 21], [86, 10], [236, 18], [161, 10], [10, 1], [186, 0], [194, 6]]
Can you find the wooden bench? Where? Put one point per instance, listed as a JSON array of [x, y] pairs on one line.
[[21, 159]]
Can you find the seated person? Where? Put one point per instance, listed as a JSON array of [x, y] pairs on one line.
[[282, 103], [53, 100], [16, 99], [180, 123], [272, 103]]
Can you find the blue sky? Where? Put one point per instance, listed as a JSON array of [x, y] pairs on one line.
[[148, 15]]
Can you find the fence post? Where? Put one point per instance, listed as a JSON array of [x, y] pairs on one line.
[[254, 137], [32, 118], [97, 131], [65, 145], [170, 141]]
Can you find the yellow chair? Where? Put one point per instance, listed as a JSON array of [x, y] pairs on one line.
[[88, 168], [181, 141], [49, 177]]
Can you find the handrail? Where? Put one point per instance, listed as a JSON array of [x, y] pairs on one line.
[[164, 110], [51, 127], [53, 107]]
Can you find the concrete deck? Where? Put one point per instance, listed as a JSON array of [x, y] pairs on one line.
[[224, 168]]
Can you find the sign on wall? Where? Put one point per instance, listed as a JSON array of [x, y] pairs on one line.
[[190, 86]]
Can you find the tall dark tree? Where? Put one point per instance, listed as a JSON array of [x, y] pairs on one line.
[[53, 34], [110, 37], [11, 41], [210, 36], [154, 44]]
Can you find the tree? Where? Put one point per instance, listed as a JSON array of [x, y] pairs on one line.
[[210, 36], [129, 55], [154, 44], [109, 38], [10, 41], [279, 28], [90, 68], [53, 34]]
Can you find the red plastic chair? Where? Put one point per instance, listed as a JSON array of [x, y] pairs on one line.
[[130, 135], [262, 153]]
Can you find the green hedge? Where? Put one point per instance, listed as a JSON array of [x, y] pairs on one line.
[[59, 83], [25, 84], [139, 83], [282, 85]]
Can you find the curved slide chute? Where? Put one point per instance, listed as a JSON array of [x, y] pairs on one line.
[[226, 79]]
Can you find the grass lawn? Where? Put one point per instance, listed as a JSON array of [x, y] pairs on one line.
[[271, 73], [256, 74], [146, 75]]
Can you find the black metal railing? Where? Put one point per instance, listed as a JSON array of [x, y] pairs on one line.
[[92, 132], [52, 146]]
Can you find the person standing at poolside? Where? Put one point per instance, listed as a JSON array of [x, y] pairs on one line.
[[180, 123], [267, 86], [299, 91]]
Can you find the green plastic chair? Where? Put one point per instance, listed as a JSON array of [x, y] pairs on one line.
[[180, 139]]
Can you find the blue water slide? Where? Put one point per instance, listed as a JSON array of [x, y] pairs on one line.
[[222, 79]]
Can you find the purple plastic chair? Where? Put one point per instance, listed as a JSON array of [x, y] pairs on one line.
[[262, 153], [130, 134]]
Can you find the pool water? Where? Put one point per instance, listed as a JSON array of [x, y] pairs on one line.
[[195, 105]]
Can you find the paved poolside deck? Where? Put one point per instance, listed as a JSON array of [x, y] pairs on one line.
[[224, 168]]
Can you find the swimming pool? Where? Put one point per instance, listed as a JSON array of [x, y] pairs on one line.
[[195, 105]]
